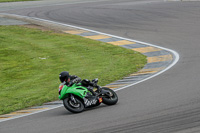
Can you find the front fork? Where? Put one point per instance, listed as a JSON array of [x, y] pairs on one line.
[[72, 98]]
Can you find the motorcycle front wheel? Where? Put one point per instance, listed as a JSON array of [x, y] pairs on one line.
[[112, 97], [74, 107]]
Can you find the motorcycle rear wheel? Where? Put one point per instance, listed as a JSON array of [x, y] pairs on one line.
[[112, 99], [73, 107]]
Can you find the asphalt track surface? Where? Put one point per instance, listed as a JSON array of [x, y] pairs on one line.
[[167, 103]]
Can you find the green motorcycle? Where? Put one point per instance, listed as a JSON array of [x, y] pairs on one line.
[[77, 97]]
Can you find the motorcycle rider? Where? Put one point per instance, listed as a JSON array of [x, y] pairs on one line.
[[69, 80]]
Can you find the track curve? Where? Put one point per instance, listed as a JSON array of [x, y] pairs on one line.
[[167, 103]]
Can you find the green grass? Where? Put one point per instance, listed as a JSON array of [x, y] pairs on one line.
[[15, 0], [31, 60]]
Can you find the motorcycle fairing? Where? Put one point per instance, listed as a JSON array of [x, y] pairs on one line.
[[79, 91]]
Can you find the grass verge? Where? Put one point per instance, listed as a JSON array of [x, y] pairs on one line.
[[31, 60]]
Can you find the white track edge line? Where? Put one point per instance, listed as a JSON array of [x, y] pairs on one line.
[[176, 57], [30, 113]]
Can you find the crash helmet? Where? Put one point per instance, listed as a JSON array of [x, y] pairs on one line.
[[63, 76]]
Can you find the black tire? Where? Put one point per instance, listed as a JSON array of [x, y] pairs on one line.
[[110, 100], [73, 107]]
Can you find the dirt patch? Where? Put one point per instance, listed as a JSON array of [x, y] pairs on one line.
[[42, 28]]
